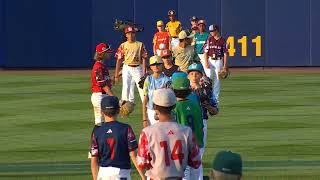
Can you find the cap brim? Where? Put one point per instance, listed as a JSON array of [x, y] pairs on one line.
[[155, 63]]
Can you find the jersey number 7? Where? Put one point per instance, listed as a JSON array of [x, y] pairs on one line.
[[176, 153], [111, 142]]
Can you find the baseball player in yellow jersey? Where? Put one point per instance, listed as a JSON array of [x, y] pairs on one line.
[[173, 27], [133, 55]]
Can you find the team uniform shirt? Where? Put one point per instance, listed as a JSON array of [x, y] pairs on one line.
[[151, 84], [185, 56], [201, 40], [111, 143], [100, 77], [215, 48], [174, 28], [161, 38], [132, 53], [168, 72], [166, 148], [188, 113]]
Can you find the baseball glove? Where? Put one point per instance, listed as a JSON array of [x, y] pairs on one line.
[[142, 79], [224, 74], [207, 82], [126, 108]]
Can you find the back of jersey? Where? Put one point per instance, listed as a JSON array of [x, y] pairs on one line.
[[112, 143], [189, 113], [165, 148]]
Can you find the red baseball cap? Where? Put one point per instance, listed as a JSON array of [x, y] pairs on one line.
[[165, 53], [102, 47], [129, 29]]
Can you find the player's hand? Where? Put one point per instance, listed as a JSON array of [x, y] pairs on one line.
[[206, 65], [145, 123], [225, 68]]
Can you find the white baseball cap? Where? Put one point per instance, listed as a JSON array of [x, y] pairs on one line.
[[164, 97]]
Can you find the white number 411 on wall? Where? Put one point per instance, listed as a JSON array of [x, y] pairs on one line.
[[243, 42]]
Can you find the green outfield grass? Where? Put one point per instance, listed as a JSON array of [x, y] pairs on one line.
[[272, 120]]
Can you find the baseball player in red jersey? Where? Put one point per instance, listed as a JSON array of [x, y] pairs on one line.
[[215, 55], [166, 148], [161, 39], [100, 80], [133, 55]]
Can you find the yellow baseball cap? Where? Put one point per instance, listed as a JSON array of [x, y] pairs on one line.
[[160, 23], [155, 60], [184, 35]]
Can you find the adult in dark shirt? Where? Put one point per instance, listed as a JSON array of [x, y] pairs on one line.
[[112, 145], [168, 67]]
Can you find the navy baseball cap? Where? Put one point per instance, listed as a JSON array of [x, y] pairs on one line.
[[109, 102]]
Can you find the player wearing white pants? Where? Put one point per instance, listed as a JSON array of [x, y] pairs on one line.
[[130, 77], [133, 55], [215, 66], [96, 100], [157, 80], [215, 57], [100, 80], [113, 173]]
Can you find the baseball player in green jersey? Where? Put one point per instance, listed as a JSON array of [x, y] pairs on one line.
[[188, 112]]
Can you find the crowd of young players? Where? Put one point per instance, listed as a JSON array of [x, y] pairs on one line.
[[177, 96]]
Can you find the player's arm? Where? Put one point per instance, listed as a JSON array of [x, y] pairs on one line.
[[132, 146], [170, 48], [94, 167], [102, 82], [225, 57], [144, 56], [133, 156], [144, 103], [194, 158], [119, 57], [206, 57], [154, 44], [108, 90], [143, 158], [94, 156]]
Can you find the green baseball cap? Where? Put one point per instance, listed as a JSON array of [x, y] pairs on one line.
[[228, 162], [180, 81]]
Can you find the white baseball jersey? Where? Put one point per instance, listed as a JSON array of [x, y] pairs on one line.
[[165, 149]]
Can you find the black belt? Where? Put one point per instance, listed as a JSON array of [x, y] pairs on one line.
[[133, 65]]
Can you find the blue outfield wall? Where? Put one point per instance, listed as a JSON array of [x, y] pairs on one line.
[[63, 34]]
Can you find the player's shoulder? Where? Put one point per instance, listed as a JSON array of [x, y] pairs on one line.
[[124, 125], [222, 39], [139, 43], [184, 129]]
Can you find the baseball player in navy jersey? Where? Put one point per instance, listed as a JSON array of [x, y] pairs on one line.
[[215, 54], [166, 148], [133, 55], [112, 145], [100, 80]]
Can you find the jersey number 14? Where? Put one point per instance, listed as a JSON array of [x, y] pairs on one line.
[[176, 153]]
